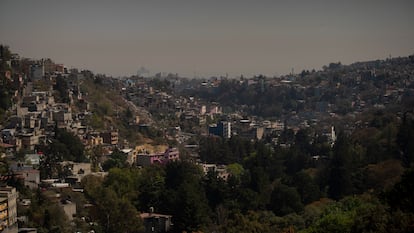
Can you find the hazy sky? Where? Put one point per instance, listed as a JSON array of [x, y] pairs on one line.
[[207, 37]]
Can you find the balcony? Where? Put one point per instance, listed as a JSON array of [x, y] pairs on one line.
[[3, 215], [3, 206]]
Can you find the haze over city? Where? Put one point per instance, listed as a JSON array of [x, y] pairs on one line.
[[207, 38]]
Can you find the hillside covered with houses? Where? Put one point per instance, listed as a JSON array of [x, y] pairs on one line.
[[318, 151]]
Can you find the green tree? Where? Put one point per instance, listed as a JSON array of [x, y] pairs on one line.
[[50, 162], [236, 170], [91, 185], [302, 140], [333, 222], [95, 154], [185, 197], [296, 160], [245, 199], [116, 159], [111, 212], [5, 97], [285, 200], [252, 222], [370, 218], [96, 121], [4, 166], [215, 189], [6, 88], [401, 195], [405, 138], [260, 183], [62, 88], [151, 187], [307, 188], [339, 182], [47, 216], [124, 182], [73, 144]]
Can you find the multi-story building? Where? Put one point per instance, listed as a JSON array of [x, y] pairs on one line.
[[94, 139], [110, 137], [30, 176], [78, 170], [37, 71], [8, 207], [29, 140], [154, 222], [222, 129], [220, 170], [51, 68], [171, 154], [62, 117], [4, 218]]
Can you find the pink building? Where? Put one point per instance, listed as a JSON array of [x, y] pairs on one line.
[[171, 154]]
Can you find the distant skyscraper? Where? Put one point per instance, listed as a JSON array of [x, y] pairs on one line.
[[333, 134], [143, 71], [222, 129], [203, 110]]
